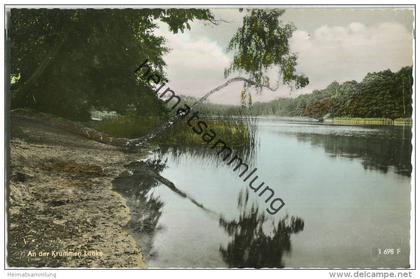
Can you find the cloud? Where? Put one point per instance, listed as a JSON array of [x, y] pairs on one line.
[[346, 53], [194, 65]]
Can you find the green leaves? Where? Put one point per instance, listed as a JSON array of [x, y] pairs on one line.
[[178, 19], [381, 94], [262, 44], [72, 60]]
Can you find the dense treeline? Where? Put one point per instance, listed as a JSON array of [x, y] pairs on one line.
[[382, 94]]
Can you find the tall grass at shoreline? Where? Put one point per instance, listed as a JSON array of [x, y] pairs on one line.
[[234, 132], [128, 126]]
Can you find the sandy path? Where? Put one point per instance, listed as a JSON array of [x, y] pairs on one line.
[[62, 209]]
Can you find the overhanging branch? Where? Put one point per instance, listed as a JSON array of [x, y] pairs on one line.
[[160, 129]]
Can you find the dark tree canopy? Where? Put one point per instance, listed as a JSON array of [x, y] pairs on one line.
[[67, 61]]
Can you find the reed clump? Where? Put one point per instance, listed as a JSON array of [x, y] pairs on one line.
[[236, 133]]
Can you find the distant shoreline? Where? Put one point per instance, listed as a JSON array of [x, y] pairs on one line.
[[370, 121], [345, 121]]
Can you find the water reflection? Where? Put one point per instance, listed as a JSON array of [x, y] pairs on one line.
[[206, 154], [146, 209], [135, 186], [249, 238], [388, 148], [255, 240], [244, 236], [251, 245]]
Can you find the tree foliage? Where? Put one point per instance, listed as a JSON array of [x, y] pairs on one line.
[[262, 44], [67, 61], [382, 94]]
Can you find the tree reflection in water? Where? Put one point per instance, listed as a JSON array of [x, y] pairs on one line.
[[251, 246], [146, 210], [388, 148]]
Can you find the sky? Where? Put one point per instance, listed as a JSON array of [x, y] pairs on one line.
[[332, 44]]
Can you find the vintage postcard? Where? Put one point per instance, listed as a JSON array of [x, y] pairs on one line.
[[210, 136]]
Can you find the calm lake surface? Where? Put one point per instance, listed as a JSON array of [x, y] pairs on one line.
[[346, 191]]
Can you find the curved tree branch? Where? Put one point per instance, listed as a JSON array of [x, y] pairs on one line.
[[160, 129], [235, 79], [217, 21]]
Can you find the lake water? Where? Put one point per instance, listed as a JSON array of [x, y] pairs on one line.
[[346, 191]]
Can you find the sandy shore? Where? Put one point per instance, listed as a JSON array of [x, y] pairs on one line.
[[62, 209]]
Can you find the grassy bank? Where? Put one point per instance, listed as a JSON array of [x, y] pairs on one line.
[[370, 121], [234, 132], [128, 126]]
